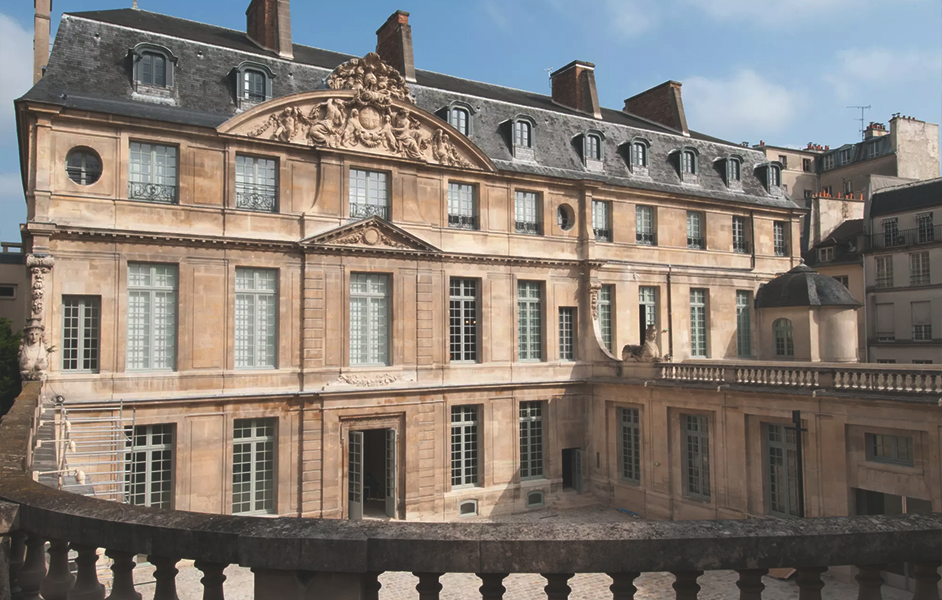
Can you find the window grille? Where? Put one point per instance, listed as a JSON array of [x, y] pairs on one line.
[[601, 220], [152, 173], [526, 213], [567, 333], [884, 271], [606, 300], [152, 69], [891, 236], [733, 171], [254, 84], [924, 231], [81, 321], [698, 325], [740, 243], [647, 297], [464, 446], [83, 166], [152, 317], [149, 466], [458, 118], [630, 444], [463, 320], [784, 342], [256, 183], [695, 230], [688, 163], [531, 440], [697, 463], [892, 449], [782, 470], [522, 134], [593, 147], [256, 318], [369, 194], [780, 239], [462, 211], [529, 321], [922, 321], [744, 323], [369, 319], [919, 268], [253, 467], [644, 226], [639, 155]]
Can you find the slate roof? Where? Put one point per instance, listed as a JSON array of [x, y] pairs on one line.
[[844, 241], [89, 69], [904, 198], [803, 286]]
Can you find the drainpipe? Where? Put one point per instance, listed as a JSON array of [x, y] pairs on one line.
[[752, 236], [670, 316]]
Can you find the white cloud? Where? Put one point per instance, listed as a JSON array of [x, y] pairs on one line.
[[16, 71], [12, 207], [622, 19], [861, 67], [496, 14], [742, 107]]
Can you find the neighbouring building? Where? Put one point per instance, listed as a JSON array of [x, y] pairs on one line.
[[305, 283], [14, 284]]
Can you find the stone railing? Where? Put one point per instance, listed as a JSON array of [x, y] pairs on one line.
[[865, 377], [334, 559]]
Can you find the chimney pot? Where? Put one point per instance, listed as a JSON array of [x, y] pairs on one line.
[[268, 24], [394, 44], [574, 86]]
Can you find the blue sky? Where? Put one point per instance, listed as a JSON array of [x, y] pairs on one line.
[[783, 71]]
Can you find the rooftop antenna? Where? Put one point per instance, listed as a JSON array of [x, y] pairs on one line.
[[862, 119], [134, 5], [549, 78]]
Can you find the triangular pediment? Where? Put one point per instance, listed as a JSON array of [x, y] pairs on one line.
[[367, 109], [372, 233]]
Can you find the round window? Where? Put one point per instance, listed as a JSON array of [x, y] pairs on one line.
[[83, 166], [565, 217]]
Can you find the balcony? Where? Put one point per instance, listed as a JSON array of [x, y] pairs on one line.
[[462, 222], [903, 238], [262, 198], [646, 239], [364, 211], [307, 558], [695, 243], [602, 235], [152, 192], [527, 227]]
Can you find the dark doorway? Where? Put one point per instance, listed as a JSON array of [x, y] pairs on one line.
[[572, 469], [372, 472]]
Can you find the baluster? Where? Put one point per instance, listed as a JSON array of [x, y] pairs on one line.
[[750, 583], [556, 587], [428, 586], [926, 576], [17, 552], [86, 585], [370, 584], [809, 583], [869, 582], [213, 578], [623, 585], [492, 586], [165, 574], [122, 581], [59, 579], [34, 567], [686, 585]]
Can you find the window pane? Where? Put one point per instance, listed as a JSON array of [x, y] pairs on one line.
[[152, 319], [463, 323], [529, 321], [253, 466], [369, 194], [369, 319]]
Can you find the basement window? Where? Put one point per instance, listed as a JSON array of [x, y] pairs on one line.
[[468, 508], [535, 499]]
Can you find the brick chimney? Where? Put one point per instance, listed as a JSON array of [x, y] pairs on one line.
[[661, 104], [394, 44], [875, 130], [40, 37], [574, 86], [268, 24]]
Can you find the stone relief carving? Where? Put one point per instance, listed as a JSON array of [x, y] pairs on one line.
[[33, 352], [649, 352], [594, 288], [369, 236], [367, 120], [369, 381], [40, 267]]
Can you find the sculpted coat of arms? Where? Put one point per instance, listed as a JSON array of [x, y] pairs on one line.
[[367, 119]]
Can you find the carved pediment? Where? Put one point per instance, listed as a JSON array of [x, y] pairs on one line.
[[367, 109], [372, 233]]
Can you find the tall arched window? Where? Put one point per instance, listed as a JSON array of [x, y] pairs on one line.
[[458, 118], [522, 134], [639, 155], [593, 146], [688, 162], [784, 344]]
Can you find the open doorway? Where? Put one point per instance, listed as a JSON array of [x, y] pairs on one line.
[[372, 470], [572, 469]]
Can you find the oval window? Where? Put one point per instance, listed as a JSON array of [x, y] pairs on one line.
[[565, 217], [83, 166]]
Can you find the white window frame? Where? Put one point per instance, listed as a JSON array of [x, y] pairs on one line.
[[925, 231], [256, 183], [919, 269], [647, 296], [884, 268], [781, 469], [532, 448], [462, 205], [81, 333], [527, 213], [465, 441], [463, 320], [256, 318], [629, 445], [780, 238], [460, 118], [783, 335], [698, 323], [152, 172], [744, 323], [645, 225], [369, 319], [369, 194], [696, 464], [530, 321], [152, 298], [607, 315], [695, 237], [601, 220], [740, 236], [826, 254], [149, 466], [254, 488], [567, 333]]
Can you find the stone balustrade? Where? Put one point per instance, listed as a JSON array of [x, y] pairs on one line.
[[853, 377], [336, 559]]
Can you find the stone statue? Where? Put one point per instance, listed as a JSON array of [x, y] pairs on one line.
[[649, 352], [33, 362]]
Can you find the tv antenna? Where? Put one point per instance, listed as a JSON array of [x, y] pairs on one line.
[[862, 119], [549, 80]]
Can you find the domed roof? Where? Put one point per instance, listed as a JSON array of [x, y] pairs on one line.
[[803, 286]]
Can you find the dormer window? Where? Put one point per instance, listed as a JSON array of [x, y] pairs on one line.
[[459, 118], [592, 150], [638, 156], [152, 68], [733, 171], [253, 84], [773, 176], [522, 137], [687, 165]]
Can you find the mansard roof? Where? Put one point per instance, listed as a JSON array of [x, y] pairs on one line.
[[907, 197], [88, 70]]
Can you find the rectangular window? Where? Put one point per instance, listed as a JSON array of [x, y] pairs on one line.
[[152, 173], [885, 326], [744, 323], [647, 298], [644, 226], [369, 194], [848, 187], [922, 321], [526, 213], [843, 279], [697, 459], [601, 220], [629, 444], [828, 162], [369, 319], [606, 301], [531, 440], [529, 321], [784, 160], [782, 470], [873, 150], [884, 271], [256, 318], [463, 320], [464, 446], [891, 236], [462, 207], [695, 230], [780, 238], [845, 156], [81, 321], [806, 165], [892, 449], [826, 254], [809, 194], [256, 183], [152, 317], [919, 268], [253, 467], [698, 324], [740, 239], [924, 230], [567, 333], [149, 466]]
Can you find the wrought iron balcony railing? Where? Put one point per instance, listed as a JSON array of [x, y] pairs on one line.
[[462, 221], [258, 197], [646, 239], [901, 238], [741, 246], [694, 243], [362, 211], [603, 235], [527, 227], [152, 192]]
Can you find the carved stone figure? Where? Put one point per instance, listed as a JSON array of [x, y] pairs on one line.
[[374, 80], [594, 289], [649, 352], [32, 355], [366, 381], [328, 124], [285, 125], [39, 265], [369, 236]]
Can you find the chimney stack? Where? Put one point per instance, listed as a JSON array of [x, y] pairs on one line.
[[875, 130], [574, 86], [394, 44], [268, 24], [40, 37], [661, 104]]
